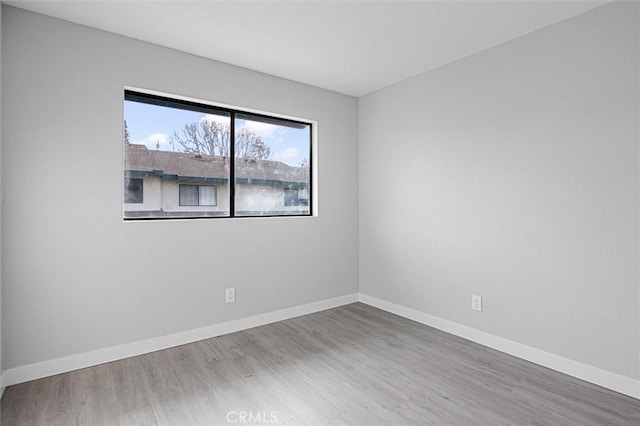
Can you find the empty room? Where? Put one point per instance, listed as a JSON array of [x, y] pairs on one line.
[[320, 212]]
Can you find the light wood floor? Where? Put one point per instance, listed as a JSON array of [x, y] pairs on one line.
[[353, 365]]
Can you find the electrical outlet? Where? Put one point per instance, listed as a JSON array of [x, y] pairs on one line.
[[476, 303], [230, 295]]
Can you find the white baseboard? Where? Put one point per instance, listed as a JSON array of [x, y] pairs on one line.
[[606, 379], [75, 362]]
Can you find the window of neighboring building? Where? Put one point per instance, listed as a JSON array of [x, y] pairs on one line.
[[198, 195], [296, 197], [133, 190], [229, 163]]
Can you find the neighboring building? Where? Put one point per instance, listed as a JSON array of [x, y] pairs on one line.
[[172, 184]]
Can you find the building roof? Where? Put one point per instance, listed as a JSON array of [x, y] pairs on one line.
[[140, 161]]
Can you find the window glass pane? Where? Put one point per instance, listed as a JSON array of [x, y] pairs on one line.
[[188, 195], [207, 195], [296, 197], [168, 145], [272, 160], [133, 190], [290, 197], [184, 154]]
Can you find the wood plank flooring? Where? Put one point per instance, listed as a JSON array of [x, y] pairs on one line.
[[352, 365]]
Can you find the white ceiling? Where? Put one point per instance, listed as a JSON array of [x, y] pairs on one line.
[[352, 47]]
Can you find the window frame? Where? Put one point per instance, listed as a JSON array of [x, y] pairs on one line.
[[178, 102]]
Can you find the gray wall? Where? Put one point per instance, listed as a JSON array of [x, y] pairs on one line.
[[513, 174], [76, 277], [1, 369]]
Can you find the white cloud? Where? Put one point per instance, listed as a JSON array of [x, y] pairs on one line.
[[286, 154], [215, 118], [152, 141], [264, 130]]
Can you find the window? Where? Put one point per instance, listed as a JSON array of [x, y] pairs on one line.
[[198, 195], [199, 160], [132, 190], [296, 197]]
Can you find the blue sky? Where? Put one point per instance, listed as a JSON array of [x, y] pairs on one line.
[[151, 125]]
